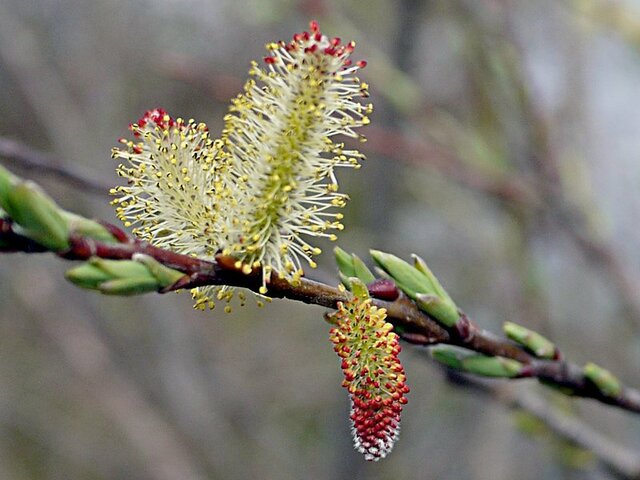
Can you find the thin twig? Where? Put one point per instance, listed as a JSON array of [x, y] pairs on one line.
[[622, 461], [419, 152], [16, 154], [417, 327]]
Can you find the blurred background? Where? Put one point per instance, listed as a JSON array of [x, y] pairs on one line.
[[503, 149]]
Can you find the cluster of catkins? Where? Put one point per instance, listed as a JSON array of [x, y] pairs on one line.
[[260, 190], [267, 184]]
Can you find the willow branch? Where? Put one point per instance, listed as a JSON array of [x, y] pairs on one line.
[[415, 326]]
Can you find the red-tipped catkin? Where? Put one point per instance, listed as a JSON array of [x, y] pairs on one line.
[[373, 375]]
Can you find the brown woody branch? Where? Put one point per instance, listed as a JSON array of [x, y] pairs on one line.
[[414, 326]]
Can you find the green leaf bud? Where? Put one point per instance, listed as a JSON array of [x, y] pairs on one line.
[[358, 288], [419, 283], [606, 382], [124, 277], [540, 346], [345, 280], [406, 277], [87, 228], [129, 286], [362, 271], [121, 268], [443, 311], [37, 214], [7, 181], [492, 366], [350, 265], [449, 355], [164, 275], [87, 276], [345, 262], [420, 265], [97, 272]]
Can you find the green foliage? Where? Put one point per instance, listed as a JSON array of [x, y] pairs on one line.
[[606, 381], [420, 284], [475, 363], [351, 266], [39, 218], [123, 277], [35, 213], [540, 346]]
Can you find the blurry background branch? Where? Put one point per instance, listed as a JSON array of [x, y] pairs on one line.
[[22, 158], [625, 463]]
